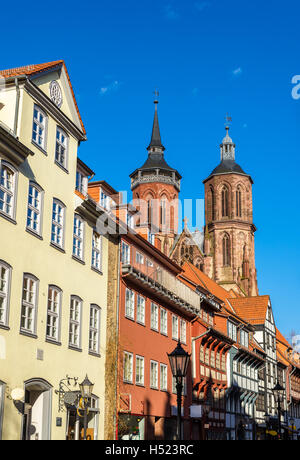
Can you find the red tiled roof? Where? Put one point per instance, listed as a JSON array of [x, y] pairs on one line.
[[39, 68], [282, 339], [252, 309], [201, 279]]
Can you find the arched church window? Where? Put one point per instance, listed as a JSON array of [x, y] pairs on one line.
[[239, 202], [225, 202], [211, 205], [226, 250], [163, 207]]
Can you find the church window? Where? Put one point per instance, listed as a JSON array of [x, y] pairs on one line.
[[239, 202], [226, 250], [225, 206]]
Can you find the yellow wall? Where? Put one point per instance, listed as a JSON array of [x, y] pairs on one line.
[[26, 253]]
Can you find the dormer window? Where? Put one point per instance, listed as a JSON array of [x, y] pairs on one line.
[[232, 330], [244, 338]]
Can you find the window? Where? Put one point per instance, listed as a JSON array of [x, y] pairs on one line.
[[7, 189], [34, 208], [225, 210], [5, 273], [78, 237], [125, 253], [94, 333], [163, 211], [130, 220], [149, 211], [75, 322], [39, 127], [244, 338], [226, 250], [81, 183], [58, 217], [212, 203], [139, 258], [128, 367], [153, 374], [139, 370], [238, 195], [96, 251], [163, 377], [174, 327], [129, 304], [154, 316], [232, 330], [182, 331], [140, 309], [163, 321], [61, 148], [53, 313], [29, 304]]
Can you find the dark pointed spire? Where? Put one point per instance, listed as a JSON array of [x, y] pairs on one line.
[[155, 138]]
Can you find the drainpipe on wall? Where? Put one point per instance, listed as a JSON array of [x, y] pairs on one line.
[[17, 107], [117, 335]]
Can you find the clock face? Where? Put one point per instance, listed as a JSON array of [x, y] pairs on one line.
[[55, 93]]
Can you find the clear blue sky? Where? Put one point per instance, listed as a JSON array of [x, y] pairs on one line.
[[207, 58]]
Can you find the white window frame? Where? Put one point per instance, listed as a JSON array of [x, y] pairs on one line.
[[94, 329], [5, 284], [97, 251], [39, 135], [163, 377], [29, 304], [139, 370], [53, 312], [129, 303], [125, 253], [139, 258], [140, 309], [128, 373], [78, 237], [154, 317], [182, 331], [58, 223], [34, 206], [232, 331], [75, 322], [61, 148], [154, 375], [163, 321], [175, 331], [8, 189]]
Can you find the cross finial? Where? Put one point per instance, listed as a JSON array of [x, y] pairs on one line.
[[156, 94], [185, 220]]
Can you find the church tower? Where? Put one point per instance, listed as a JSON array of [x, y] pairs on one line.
[[229, 229], [155, 187]]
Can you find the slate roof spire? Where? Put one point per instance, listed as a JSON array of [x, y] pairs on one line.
[[155, 138]]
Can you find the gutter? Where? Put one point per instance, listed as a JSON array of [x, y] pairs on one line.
[[118, 340]]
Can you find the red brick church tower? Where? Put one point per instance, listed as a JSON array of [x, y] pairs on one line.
[[155, 187], [229, 230]]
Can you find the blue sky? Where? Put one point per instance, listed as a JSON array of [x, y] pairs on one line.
[[206, 58]]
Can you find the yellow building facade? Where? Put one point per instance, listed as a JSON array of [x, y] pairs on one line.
[[53, 264]]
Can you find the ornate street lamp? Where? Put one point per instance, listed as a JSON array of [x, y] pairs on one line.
[[278, 391], [179, 361], [86, 390]]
